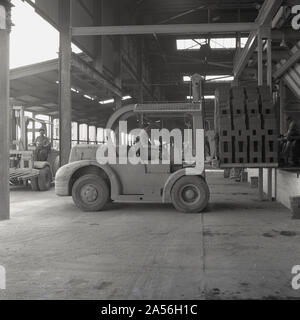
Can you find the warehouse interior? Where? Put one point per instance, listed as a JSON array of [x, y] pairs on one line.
[[132, 52]]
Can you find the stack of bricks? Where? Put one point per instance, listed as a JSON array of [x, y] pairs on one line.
[[239, 124], [246, 125], [255, 133], [225, 125], [270, 130]]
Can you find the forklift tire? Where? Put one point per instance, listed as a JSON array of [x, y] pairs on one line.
[[45, 179], [34, 184], [190, 194], [90, 193]]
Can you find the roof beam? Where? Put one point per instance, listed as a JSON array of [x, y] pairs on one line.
[[84, 67], [204, 28], [264, 18], [35, 69]]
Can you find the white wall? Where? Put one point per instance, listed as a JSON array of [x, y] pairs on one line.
[[288, 184], [254, 173]]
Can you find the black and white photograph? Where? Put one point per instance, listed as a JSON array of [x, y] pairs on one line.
[[149, 154]]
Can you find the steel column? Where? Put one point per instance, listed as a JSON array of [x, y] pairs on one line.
[[78, 132], [65, 81], [98, 9], [4, 111], [269, 82], [265, 16], [118, 69], [140, 70], [269, 63], [282, 93], [260, 83], [260, 58]]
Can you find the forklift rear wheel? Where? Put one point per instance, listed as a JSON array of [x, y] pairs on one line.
[[90, 193], [45, 179], [190, 194], [34, 184]]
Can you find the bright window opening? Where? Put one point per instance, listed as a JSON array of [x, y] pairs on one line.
[[213, 78], [74, 133], [186, 78], [92, 134], [190, 44], [100, 135], [215, 43], [243, 42], [207, 97], [83, 133], [219, 78], [223, 43]]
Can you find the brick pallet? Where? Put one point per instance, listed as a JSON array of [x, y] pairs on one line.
[[247, 126]]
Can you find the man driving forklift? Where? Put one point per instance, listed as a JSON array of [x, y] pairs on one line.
[[43, 146], [290, 143]]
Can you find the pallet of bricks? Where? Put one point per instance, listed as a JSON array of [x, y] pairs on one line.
[[246, 124]]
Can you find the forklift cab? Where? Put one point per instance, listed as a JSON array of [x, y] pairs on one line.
[[165, 135]]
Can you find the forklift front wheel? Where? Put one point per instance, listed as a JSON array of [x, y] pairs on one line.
[[34, 184], [90, 193], [190, 194], [45, 179]]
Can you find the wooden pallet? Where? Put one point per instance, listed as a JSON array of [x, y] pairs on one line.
[[22, 173], [23, 168]]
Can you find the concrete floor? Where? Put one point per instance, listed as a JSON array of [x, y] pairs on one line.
[[239, 248]]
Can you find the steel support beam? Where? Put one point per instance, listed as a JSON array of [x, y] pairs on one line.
[[32, 70], [269, 62], [204, 28], [98, 19], [269, 83], [65, 105], [287, 65], [260, 58], [117, 58], [4, 110], [265, 16], [242, 59]]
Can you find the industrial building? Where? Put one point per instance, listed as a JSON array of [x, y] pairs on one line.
[[223, 226]]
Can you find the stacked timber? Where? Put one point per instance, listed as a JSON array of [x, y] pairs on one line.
[[246, 124]]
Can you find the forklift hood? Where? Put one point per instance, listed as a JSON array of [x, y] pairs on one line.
[[83, 152]]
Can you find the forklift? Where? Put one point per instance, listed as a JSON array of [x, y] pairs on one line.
[[93, 184], [24, 169]]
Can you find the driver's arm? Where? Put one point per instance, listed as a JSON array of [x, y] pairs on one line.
[[46, 142]]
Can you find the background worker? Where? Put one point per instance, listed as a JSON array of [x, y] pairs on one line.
[[287, 141], [43, 146]]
